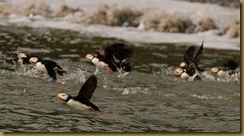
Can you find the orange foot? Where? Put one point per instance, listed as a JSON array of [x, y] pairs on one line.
[[109, 70]]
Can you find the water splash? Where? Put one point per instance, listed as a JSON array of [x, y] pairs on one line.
[[209, 97], [78, 76]]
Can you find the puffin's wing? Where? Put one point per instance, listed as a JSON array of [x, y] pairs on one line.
[[188, 57], [119, 52], [198, 55], [230, 65], [50, 65], [88, 89]]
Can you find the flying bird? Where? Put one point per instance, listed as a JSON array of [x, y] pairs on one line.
[[82, 100]]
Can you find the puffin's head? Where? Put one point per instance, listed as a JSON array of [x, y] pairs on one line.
[[62, 96], [179, 71], [21, 55], [214, 70], [33, 60], [182, 64], [89, 57]]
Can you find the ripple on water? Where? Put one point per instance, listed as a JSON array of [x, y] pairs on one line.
[[149, 99]]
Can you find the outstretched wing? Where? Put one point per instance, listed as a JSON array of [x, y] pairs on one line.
[[88, 89], [198, 55], [117, 52], [188, 57]]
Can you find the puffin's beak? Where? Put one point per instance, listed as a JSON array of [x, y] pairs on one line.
[[58, 96], [212, 70], [86, 57], [30, 61], [182, 64], [177, 71]]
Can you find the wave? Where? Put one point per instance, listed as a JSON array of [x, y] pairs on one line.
[[177, 22]]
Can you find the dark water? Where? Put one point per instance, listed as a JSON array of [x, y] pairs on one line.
[[149, 99]]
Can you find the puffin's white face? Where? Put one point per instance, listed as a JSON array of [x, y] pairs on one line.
[[33, 60], [178, 71], [214, 70], [21, 55], [89, 57], [62, 96], [182, 64]]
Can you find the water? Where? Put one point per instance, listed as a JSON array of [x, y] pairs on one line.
[[149, 99]]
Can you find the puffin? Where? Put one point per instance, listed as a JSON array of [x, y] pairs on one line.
[[190, 66], [182, 73], [20, 62], [48, 67], [82, 100], [24, 57], [21, 58], [229, 68], [115, 56], [98, 62]]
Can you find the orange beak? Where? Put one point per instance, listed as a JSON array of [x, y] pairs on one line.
[[86, 57], [58, 96], [30, 61]]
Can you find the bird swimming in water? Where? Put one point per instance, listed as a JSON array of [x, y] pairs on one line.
[[189, 68], [97, 62], [229, 68], [48, 67], [82, 100], [115, 56], [21, 62]]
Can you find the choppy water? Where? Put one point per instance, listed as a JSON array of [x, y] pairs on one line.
[[149, 99]]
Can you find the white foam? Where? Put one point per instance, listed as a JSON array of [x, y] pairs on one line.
[[221, 15]]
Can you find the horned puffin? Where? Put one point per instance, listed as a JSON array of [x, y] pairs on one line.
[[21, 58], [229, 68], [82, 100], [190, 68], [182, 73], [115, 56], [21, 62], [48, 67], [97, 62], [24, 57]]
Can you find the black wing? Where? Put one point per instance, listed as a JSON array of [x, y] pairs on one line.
[[198, 55], [230, 65], [117, 52], [50, 65], [88, 89], [188, 56], [120, 52]]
